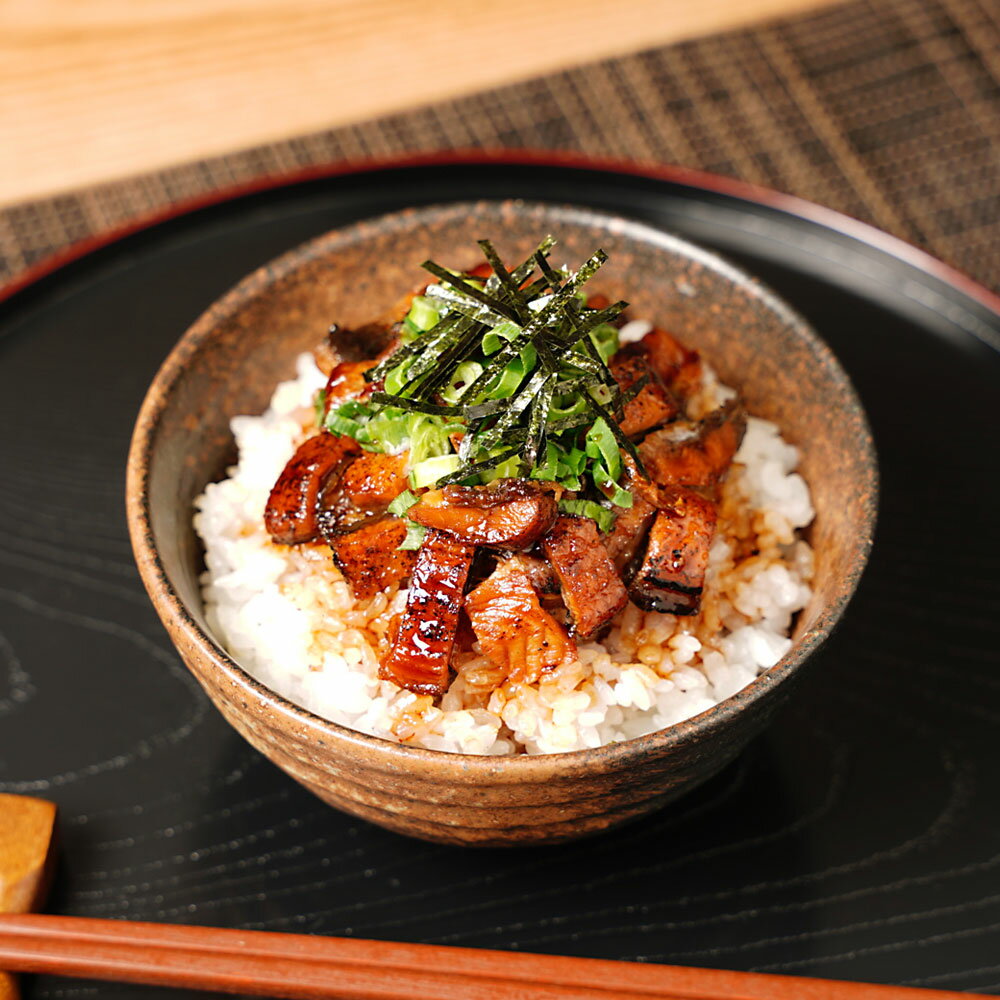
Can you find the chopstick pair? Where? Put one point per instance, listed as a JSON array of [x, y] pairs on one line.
[[265, 963]]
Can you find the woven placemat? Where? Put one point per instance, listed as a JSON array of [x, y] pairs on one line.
[[888, 110]]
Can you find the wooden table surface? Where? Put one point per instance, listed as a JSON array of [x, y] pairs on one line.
[[94, 90]]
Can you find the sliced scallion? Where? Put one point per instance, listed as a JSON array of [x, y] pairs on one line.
[[414, 536], [588, 508], [431, 470], [402, 503]]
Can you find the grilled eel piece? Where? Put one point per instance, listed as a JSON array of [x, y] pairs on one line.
[[671, 576], [703, 458], [677, 366], [653, 406], [346, 381], [423, 635], [512, 627], [631, 526], [512, 513], [685, 472], [363, 490], [591, 588], [290, 514], [369, 555], [374, 480]]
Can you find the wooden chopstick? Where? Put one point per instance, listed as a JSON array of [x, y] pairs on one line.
[[265, 963]]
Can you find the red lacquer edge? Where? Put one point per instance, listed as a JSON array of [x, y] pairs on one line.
[[686, 176]]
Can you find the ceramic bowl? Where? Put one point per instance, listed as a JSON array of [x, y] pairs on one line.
[[229, 362]]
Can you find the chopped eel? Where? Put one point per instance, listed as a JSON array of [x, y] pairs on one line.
[[652, 406], [701, 459], [374, 480], [591, 588], [512, 627], [626, 538], [513, 513], [671, 575], [676, 365], [290, 514], [423, 635], [369, 555], [336, 513], [346, 381], [363, 490], [541, 575]]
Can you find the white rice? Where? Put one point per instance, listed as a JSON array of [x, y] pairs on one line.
[[287, 615]]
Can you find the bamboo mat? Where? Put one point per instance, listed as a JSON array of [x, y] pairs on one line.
[[888, 110]]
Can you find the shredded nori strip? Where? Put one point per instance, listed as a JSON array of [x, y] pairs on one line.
[[473, 469], [520, 273], [469, 308], [565, 362], [423, 346], [470, 291], [505, 280], [416, 405], [552, 279], [537, 420]]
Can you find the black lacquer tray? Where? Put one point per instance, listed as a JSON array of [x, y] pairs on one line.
[[858, 839]]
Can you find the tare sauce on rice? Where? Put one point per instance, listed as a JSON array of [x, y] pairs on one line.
[[534, 661]]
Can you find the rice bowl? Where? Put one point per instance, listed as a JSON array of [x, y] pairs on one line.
[[287, 615], [231, 358]]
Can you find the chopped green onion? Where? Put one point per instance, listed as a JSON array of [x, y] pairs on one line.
[[430, 470], [396, 379], [605, 338], [508, 381], [509, 468], [347, 418], [576, 460], [567, 405], [424, 313], [603, 481], [623, 441], [548, 469], [601, 444], [587, 508], [428, 437], [402, 503], [414, 536], [493, 341], [387, 432], [465, 374], [602, 394]]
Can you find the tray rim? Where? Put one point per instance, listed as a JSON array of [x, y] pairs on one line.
[[689, 177]]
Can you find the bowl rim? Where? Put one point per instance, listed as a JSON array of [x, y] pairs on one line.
[[499, 769]]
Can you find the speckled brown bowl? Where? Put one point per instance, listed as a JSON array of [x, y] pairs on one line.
[[228, 364]]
